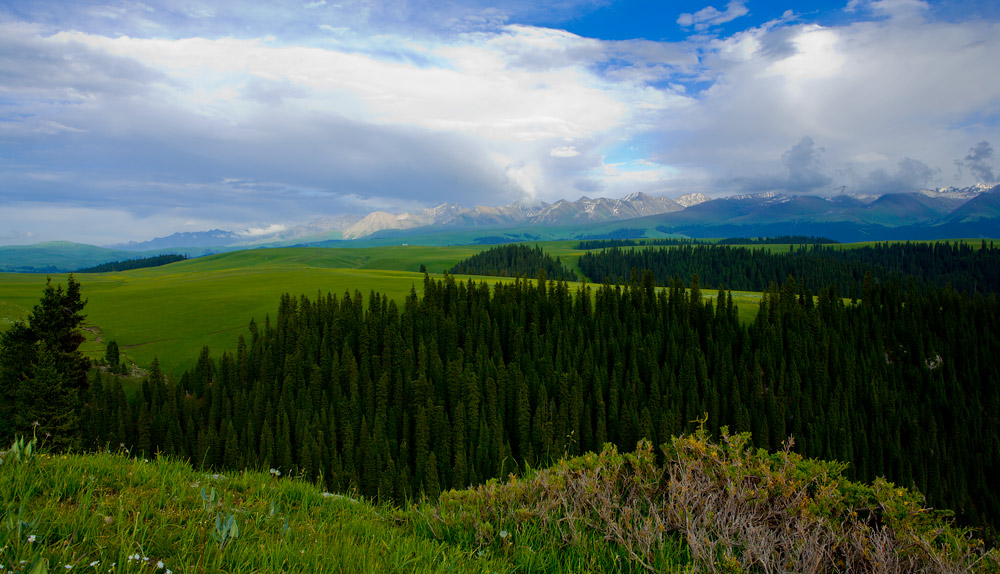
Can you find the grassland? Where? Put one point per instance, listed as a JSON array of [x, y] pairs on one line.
[[710, 506], [172, 311], [108, 513]]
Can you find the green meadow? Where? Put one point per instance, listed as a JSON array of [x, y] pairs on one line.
[[600, 512], [171, 312]]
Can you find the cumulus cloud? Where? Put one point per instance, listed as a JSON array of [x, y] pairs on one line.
[[874, 90], [283, 127], [711, 16], [564, 151], [163, 114], [803, 172], [979, 161], [910, 175]]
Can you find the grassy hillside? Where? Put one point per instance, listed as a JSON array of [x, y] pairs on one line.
[[715, 506], [108, 513], [172, 311], [56, 256]]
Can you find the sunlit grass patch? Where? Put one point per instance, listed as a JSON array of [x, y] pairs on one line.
[[108, 513]]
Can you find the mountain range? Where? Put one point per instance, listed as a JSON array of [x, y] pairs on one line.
[[562, 212], [927, 214]]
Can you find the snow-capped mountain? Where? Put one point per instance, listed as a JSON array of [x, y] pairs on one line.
[[562, 212]]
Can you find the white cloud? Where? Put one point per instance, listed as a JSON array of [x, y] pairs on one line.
[[361, 106], [816, 56], [564, 151], [711, 16], [873, 92], [264, 230]]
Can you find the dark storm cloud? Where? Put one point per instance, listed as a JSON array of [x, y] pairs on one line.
[[803, 172], [910, 175], [979, 161]]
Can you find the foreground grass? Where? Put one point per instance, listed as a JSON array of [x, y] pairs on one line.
[[716, 506], [706, 506], [107, 513]]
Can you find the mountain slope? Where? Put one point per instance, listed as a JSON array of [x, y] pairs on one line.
[[985, 206], [562, 212], [63, 256], [208, 239]]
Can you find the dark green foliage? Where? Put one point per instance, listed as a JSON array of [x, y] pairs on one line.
[[779, 240], [471, 382], [42, 372], [139, 263], [605, 243], [965, 267], [514, 260], [617, 234], [112, 355], [505, 238]]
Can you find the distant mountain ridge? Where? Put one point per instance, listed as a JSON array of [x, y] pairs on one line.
[[921, 215], [692, 212], [965, 212], [212, 238], [562, 212]]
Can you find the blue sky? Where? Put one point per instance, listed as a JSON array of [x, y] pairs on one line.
[[126, 120]]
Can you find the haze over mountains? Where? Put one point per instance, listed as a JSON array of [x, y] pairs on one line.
[[844, 216], [970, 212]]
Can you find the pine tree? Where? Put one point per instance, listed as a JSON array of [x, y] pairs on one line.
[[42, 359]]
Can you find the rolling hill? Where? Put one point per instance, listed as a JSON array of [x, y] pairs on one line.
[[63, 256]]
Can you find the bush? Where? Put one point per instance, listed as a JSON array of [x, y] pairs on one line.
[[737, 508]]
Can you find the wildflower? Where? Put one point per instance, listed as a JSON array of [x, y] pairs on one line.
[[31, 538], [159, 565], [68, 567], [503, 534], [95, 563]]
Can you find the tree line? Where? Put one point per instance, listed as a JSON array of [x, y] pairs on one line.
[[513, 260], [605, 243], [777, 240], [138, 263], [588, 244], [471, 382], [966, 267]]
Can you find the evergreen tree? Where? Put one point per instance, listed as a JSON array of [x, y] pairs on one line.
[[43, 375]]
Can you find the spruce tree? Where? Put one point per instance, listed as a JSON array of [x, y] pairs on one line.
[[43, 375]]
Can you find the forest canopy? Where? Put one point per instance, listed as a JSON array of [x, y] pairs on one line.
[[966, 267], [471, 382]]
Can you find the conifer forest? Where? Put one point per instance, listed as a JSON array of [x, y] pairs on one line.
[[472, 381]]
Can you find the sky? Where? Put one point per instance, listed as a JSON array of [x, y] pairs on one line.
[[127, 120]]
